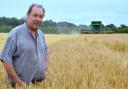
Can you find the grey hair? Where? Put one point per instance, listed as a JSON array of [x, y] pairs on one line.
[[37, 5]]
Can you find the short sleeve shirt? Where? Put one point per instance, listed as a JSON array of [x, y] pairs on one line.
[[26, 54]]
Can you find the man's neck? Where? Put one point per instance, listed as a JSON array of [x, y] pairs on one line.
[[34, 35], [31, 29]]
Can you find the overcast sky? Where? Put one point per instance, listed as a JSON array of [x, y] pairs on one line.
[[74, 11]]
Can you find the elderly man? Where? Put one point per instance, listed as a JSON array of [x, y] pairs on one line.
[[25, 54]]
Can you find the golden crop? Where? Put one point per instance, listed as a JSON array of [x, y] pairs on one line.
[[90, 61]]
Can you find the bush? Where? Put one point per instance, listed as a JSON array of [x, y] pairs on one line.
[[5, 28]]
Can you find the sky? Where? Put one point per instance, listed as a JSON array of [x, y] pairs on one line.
[[73, 11]]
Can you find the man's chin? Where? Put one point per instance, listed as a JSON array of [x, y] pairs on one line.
[[36, 27]]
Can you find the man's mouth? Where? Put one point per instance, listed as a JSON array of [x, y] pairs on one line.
[[37, 24]]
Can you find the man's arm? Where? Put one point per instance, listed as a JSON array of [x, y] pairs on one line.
[[11, 72]]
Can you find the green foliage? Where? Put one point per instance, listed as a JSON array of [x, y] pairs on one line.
[[49, 29], [123, 30], [5, 28], [49, 23], [49, 26], [10, 21]]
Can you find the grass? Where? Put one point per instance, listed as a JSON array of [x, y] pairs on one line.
[[97, 61]]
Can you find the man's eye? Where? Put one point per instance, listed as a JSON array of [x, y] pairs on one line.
[[41, 16]]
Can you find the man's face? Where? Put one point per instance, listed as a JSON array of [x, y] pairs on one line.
[[35, 18]]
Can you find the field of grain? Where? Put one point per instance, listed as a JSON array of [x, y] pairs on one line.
[[90, 61]]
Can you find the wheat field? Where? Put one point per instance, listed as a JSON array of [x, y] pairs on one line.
[[89, 61]]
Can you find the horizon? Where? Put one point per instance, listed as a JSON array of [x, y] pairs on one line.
[[70, 22], [77, 12]]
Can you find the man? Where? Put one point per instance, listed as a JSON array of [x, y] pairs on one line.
[[25, 54]]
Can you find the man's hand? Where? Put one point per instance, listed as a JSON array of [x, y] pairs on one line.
[[20, 83], [11, 72]]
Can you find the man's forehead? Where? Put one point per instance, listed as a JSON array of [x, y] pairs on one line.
[[37, 8]]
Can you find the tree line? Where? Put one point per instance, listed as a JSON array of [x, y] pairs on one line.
[[49, 26]]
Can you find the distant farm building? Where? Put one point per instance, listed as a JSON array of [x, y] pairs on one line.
[[95, 27]]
